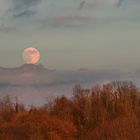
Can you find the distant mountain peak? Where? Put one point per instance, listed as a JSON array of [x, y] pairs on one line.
[[32, 68], [25, 68]]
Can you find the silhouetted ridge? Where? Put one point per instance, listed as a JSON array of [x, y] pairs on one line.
[[32, 68], [26, 68]]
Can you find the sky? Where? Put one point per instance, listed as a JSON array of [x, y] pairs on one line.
[[72, 34]]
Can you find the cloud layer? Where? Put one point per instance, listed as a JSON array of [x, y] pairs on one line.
[[47, 9]]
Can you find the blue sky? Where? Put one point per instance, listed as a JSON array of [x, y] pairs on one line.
[[70, 34]]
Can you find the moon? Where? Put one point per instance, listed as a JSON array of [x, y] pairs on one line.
[[31, 55]]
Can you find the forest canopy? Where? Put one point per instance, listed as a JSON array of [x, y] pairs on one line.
[[103, 112]]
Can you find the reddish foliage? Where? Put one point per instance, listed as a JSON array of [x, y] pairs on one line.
[[106, 112]]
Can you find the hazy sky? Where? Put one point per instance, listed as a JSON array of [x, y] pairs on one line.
[[70, 34]]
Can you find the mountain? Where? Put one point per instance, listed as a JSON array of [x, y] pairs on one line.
[[33, 84], [26, 68], [25, 74]]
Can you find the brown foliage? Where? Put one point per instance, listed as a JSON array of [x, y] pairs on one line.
[[105, 112]]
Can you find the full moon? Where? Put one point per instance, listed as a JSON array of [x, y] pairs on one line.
[[31, 55]]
